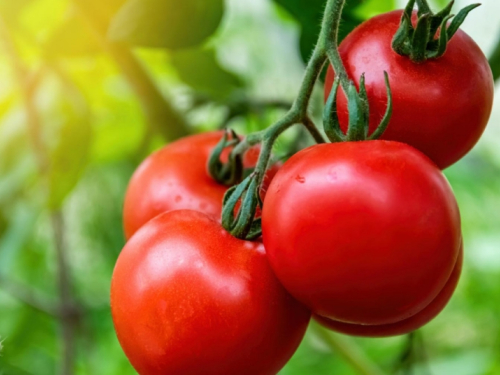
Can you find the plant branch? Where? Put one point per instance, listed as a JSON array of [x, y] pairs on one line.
[[69, 311], [348, 350], [329, 39], [326, 48]]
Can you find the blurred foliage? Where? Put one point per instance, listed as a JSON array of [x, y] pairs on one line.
[[103, 107], [166, 23], [62, 41], [200, 70], [70, 155]]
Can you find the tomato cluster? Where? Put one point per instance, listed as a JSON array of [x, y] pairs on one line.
[[186, 296], [363, 236]]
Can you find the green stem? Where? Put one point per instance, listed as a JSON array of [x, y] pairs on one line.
[[495, 61], [326, 48], [348, 350], [268, 139], [313, 130], [329, 38], [313, 70]]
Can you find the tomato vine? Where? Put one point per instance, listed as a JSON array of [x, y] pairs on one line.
[[243, 225]]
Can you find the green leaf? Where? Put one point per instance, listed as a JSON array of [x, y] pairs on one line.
[[200, 69], [168, 24], [69, 157]]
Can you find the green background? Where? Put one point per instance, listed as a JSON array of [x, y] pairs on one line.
[[104, 90]]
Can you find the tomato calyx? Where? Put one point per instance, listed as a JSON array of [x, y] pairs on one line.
[[429, 38], [231, 172], [243, 224], [359, 113]]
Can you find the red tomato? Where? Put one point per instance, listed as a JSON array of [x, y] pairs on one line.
[[188, 298], [405, 326], [176, 178], [441, 107], [362, 232]]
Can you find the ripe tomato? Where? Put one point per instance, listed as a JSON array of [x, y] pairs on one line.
[[176, 178], [441, 107], [405, 326], [188, 298], [362, 232]]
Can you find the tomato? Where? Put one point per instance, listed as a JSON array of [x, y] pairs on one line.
[[362, 232], [405, 326], [176, 178], [441, 107], [188, 298]]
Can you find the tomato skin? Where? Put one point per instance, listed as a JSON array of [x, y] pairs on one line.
[[188, 298], [441, 107], [405, 326], [362, 232], [176, 178]]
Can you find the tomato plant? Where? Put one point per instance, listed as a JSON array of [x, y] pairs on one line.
[[407, 325], [176, 177], [188, 298], [362, 232], [441, 106]]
